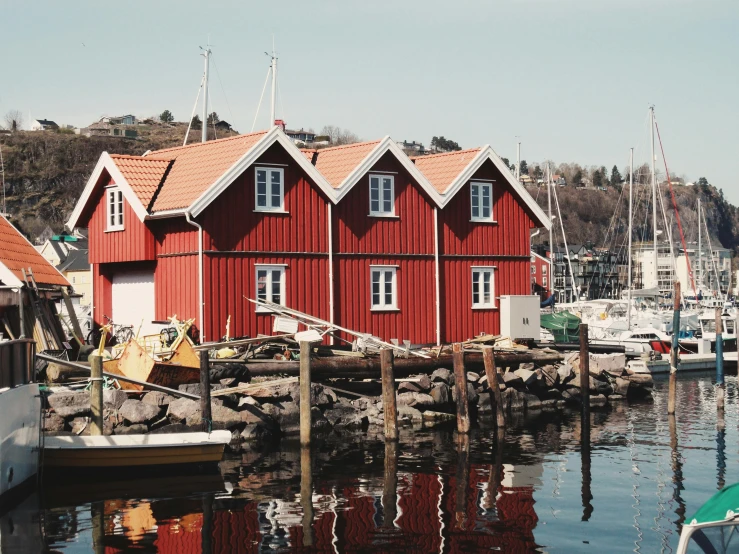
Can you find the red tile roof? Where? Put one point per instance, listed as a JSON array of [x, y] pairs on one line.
[[336, 163], [196, 167], [442, 169], [17, 254], [143, 174]]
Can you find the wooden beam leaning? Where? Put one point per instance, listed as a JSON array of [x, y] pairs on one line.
[[96, 395], [390, 409], [488, 356], [460, 386], [205, 407], [305, 420]]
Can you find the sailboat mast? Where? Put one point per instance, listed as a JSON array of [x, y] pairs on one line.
[[274, 86], [700, 245], [654, 197], [631, 203], [518, 161], [204, 134], [551, 227]]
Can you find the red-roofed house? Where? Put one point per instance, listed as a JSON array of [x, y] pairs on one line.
[[360, 235]]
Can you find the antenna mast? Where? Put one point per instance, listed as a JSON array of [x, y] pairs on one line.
[[204, 135], [518, 161], [274, 84], [654, 197]]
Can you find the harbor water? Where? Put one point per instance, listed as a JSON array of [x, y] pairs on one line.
[[533, 490]]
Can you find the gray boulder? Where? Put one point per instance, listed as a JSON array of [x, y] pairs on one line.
[[440, 393], [473, 377], [511, 379], [286, 414], [431, 418], [135, 429], [621, 386], [114, 398], [532, 402], [421, 384], [408, 415], [565, 373], [527, 376], [415, 399], [53, 423], [183, 408], [514, 399], [225, 418], [442, 375], [248, 401], [69, 404], [135, 411], [157, 398], [551, 376]]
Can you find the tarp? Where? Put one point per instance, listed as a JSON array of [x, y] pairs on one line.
[[564, 326], [720, 507]]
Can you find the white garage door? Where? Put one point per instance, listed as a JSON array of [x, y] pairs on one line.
[[133, 300]]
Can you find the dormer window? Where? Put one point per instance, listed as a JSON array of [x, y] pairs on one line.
[[269, 190], [115, 209], [481, 197], [382, 195]]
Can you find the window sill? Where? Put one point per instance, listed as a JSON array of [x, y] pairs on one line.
[[384, 309], [484, 308], [388, 216], [492, 221], [271, 211], [264, 311], [115, 229]]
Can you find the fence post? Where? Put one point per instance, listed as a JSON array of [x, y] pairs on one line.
[[388, 394], [305, 422], [720, 386], [96, 395], [460, 384], [488, 356], [584, 370], [205, 408]]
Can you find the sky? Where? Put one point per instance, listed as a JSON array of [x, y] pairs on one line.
[[571, 80]]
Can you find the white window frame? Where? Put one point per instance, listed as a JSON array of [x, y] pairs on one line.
[[383, 305], [481, 304], [114, 209], [269, 269], [270, 207], [544, 269], [481, 185], [533, 269], [381, 199], [544, 281]]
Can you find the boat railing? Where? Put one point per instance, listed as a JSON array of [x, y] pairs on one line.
[[17, 359]]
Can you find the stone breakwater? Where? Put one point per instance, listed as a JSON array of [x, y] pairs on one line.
[[272, 410]]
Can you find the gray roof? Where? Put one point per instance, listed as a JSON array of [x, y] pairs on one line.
[[77, 261]]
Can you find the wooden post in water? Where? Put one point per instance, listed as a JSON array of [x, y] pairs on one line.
[[674, 350], [96, 395], [205, 409], [586, 475], [97, 515], [388, 394], [305, 423], [584, 371], [206, 531], [460, 384], [390, 486], [488, 357], [720, 385], [306, 493], [463, 477]]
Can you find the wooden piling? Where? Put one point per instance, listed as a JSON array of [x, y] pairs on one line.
[[390, 485], [205, 409], [96, 395], [674, 350], [460, 384], [488, 356], [720, 385], [388, 394], [584, 370], [305, 422], [462, 477], [206, 531], [306, 493], [97, 516]]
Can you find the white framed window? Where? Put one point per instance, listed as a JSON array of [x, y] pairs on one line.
[[483, 287], [115, 208], [269, 189], [270, 283], [481, 196], [543, 281], [533, 270], [382, 195], [543, 269], [384, 287]]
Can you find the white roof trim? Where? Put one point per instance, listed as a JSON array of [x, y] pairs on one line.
[[107, 163], [250, 157], [487, 153], [365, 166]]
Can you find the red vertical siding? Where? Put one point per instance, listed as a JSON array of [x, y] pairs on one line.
[[174, 236], [134, 243], [176, 288], [101, 291]]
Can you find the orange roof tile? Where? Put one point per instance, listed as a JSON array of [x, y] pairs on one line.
[[143, 174], [196, 167], [336, 163], [17, 254], [442, 169]]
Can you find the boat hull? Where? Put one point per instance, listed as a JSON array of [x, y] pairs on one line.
[[20, 418], [128, 451]]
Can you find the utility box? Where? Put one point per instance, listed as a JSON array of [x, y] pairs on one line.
[[520, 317]]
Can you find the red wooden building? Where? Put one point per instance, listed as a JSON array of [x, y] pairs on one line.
[[541, 276], [360, 235]]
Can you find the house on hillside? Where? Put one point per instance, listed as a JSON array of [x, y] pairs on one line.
[[223, 125], [43, 125], [541, 276], [110, 127], [360, 235], [301, 136]]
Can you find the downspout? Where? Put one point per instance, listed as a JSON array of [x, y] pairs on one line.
[[21, 314], [201, 305], [436, 276], [330, 267]]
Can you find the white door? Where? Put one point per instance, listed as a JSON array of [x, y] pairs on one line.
[[133, 300]]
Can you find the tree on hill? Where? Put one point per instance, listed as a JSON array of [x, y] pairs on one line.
[[577, 178], [213, 118], [338, 136], [616, 178], [537, 173], [703, 182], [441, 144], [13, 120], [524, 168], [508, 164], [196, 123], [597, 178], [166, 117]]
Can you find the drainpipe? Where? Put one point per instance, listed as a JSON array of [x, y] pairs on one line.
[[330, 268], [201, 300], [21, 314], [436, 276]]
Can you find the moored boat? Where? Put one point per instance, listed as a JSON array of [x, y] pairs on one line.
[[715, 526]]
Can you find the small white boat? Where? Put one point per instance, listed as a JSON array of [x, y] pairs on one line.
[[713, 528], [124, 451], [20, 418]]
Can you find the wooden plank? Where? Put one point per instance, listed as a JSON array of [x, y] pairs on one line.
[[254, 387], [73, 316]]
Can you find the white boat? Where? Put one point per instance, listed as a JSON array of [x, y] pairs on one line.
[[125, 451], [20, 417]]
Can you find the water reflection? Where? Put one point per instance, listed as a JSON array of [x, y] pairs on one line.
[[622, 480]]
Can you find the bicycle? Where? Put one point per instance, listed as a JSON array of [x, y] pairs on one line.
[[119, 334]]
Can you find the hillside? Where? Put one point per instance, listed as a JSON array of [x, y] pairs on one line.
[[45, 173]]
